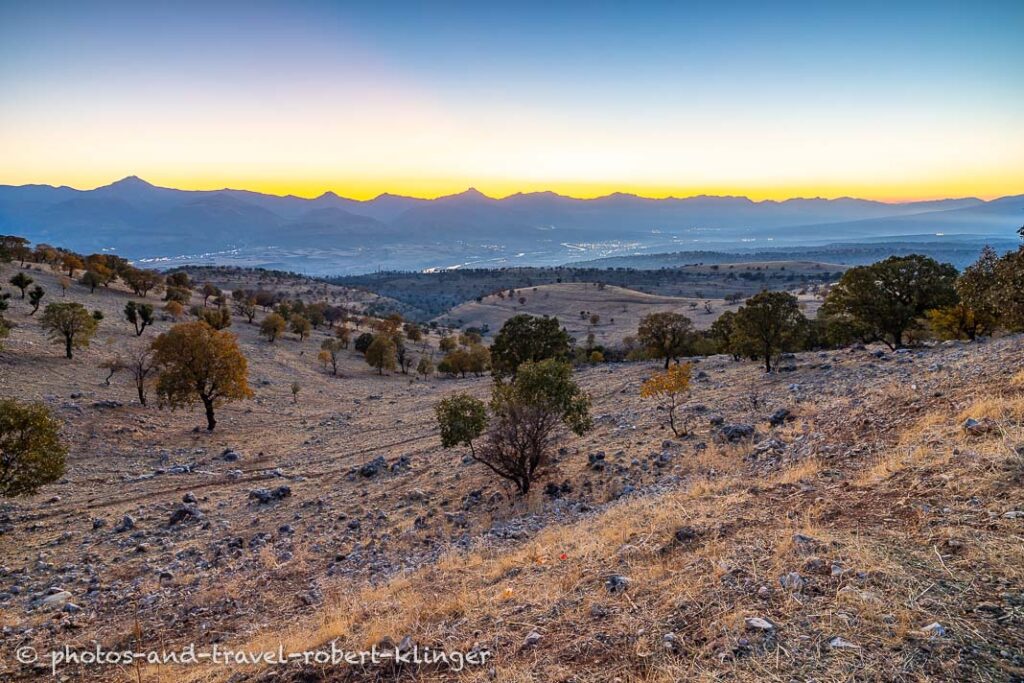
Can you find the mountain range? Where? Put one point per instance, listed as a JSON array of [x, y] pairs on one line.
[[143, 221]]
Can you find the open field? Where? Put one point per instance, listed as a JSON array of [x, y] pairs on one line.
[[437, 292], [619, 309], [891, 516]]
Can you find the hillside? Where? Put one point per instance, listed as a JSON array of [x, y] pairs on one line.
[[619, 309], [827, 547]]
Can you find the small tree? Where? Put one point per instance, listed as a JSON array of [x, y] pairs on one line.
[[330, 353], [200, 364], [247, 308], [218, 318], [670, 386], [139, 315], [91, 279], [296, 388], [142, 366], [112, 366], [272, 327], [344, 334], [22, 282], [32, 453], [665, 335], [425, 367], [300, 326], [69, 324], [35, 297], [381, 353]]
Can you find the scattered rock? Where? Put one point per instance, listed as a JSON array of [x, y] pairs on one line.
[[264, 496], [616, 583], [780, 417], [759, 624], [736, 432]]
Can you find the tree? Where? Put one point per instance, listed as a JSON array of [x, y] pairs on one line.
[[142, 281], [35, 297], [890, 296], [208, 291], [669, 386], [363, 342], [528, 413], [32, 453], [381, 353], [665, 335], [425, 367], [112, 366], [768, 324], [300, 326], [91, 280], [71, 263], [525, 338], [69, 324], [1010, 287], [142, 365], [343, 333], [247, 308], [330, 352], [447, 344], [139, 315], [979, 291], [296, 388], [272, 327], [721, 332], [22, 282], [200, 364]]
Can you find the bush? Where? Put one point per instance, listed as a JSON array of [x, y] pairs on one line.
[[670, 386], [31, 451], [272, 327]]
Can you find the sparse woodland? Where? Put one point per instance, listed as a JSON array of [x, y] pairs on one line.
[[769, 495]]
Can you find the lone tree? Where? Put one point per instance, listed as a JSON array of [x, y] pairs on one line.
[[670, 386], [69, 323], [22, 282], [200, 364], [142, 366], [139, 315], [300, 325], [525, 338], [890, 296], [272, 327], [768, 324], [31, 451], [330, 353], [666, 335], [527, 415], [382, 353], [363, 342], [35, 297]]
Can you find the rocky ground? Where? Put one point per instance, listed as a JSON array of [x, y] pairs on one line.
[[856, 515]]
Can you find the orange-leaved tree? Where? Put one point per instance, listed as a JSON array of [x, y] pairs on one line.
[[198, 363], [670, 386]]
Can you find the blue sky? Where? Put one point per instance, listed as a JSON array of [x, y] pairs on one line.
[[894, 100]]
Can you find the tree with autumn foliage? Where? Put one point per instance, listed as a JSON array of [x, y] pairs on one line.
[[197, 363], [670, 386]]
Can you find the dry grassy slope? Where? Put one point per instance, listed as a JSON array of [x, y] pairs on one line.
[[875, 468], [620, 309]]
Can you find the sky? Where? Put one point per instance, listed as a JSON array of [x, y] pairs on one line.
[[891, 101]]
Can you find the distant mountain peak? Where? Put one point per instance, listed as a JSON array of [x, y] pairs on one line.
[[131, 181], [330, 194]]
